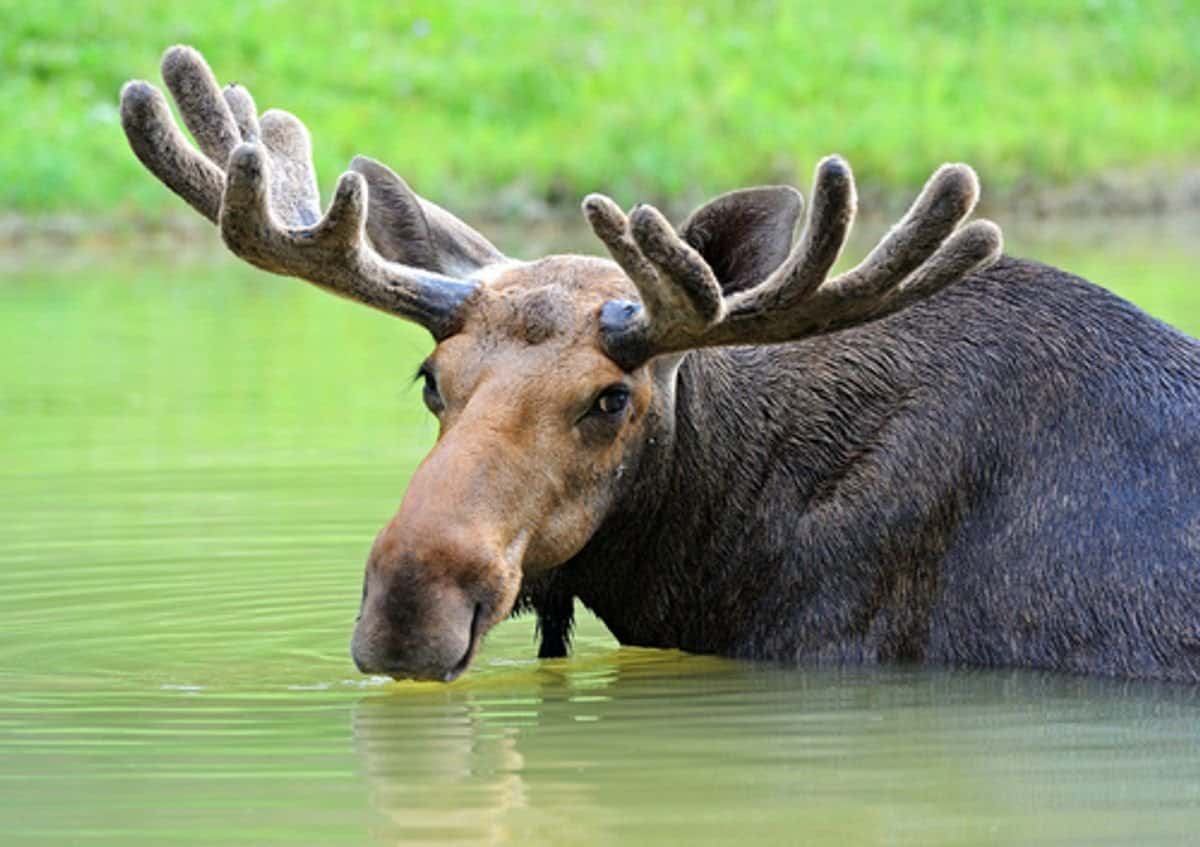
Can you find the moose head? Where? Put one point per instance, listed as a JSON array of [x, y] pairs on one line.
[[553, 380]]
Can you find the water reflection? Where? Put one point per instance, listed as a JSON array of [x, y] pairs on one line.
[[447, 764], [437, 772], [644, 746]]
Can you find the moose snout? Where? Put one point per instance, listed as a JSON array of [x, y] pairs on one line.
[[424, 612], [430, 635]]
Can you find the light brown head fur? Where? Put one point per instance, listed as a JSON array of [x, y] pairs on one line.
[[527, 460]]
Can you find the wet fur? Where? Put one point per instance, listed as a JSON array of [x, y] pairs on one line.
[[1003, 475]]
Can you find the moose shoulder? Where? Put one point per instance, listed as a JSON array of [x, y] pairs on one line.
[[936, 456]]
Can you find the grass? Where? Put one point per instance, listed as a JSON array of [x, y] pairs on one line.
[[485, 105]]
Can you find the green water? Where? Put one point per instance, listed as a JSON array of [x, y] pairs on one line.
[[194, 458]]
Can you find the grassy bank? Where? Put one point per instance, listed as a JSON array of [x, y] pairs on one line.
[[487, 104]]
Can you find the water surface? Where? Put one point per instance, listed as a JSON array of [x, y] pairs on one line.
[[194, 459]]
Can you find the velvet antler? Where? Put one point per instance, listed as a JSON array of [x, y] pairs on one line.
[[683, 306], [254, 178]]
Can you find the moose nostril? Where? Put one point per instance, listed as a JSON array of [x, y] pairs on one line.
[[472, 645], [476, 621], [362, 603]]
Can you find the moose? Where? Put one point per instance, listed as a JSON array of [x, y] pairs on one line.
[[943, 455]]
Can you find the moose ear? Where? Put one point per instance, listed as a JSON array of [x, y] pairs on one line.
[[746, 234], [409, 229]]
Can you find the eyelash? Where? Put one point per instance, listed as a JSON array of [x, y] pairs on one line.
[[429, 392]]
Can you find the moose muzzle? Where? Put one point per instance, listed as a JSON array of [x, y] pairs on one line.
[[426, 608]]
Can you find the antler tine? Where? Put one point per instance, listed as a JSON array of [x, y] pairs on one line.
[[684, 276], [204, 110], [830, 215], [612, 227], [244, 111], [294, 194], [161, 147], [266, 201], [975, 245]]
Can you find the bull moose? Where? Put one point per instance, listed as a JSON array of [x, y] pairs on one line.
[[717, 448]]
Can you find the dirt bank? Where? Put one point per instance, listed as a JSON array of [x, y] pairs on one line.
[[1151, 192]]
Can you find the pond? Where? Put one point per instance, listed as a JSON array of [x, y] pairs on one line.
[[195, 457]]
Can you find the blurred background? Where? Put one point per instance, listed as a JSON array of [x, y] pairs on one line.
[[195, 455], [501, 108]]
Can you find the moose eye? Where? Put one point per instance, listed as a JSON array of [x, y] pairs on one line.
[[612, 401], [433, 400]]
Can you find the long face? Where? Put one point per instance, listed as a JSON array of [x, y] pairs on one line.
[[537, 429]]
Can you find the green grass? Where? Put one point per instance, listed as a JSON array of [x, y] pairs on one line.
[[480, 103]]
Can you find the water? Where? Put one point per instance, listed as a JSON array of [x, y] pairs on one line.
[[194, 458]]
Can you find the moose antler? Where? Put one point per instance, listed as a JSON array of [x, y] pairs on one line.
[[683, 306], [254, 178]]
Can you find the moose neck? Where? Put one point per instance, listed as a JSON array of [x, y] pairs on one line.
[[750, 438]]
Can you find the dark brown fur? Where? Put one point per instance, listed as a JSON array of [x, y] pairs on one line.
[[1004, 475]]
